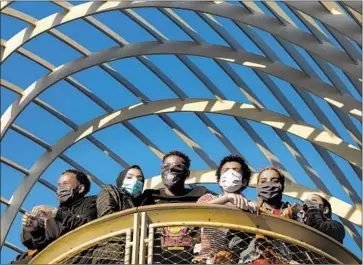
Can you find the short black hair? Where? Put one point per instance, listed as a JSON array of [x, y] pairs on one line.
[[245, 170], [186, 158], [82, 179], [275, 168], [326, 203]]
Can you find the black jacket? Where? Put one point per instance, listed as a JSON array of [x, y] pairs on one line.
[[112, 199], [150, 197], [334, 229], [69, 217]]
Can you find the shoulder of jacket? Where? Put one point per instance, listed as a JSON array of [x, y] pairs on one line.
[[90, 198]]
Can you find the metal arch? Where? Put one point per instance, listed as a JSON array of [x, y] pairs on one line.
[[93, 22], [65, 158], [269, 24], [69, 123], [293, 76], [7, 203], [210, 125], [344, 42], [4, 4], [13, 247], [229, 71], [164, 106], [355, 5], [209, 85], [292, 189], [177, 129], [294, 114], [338, 21], [23, 170]]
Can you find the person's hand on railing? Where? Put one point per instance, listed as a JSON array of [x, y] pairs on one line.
[[287, 212], [238, 200]]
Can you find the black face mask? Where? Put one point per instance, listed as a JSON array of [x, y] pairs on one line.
[[174, 176], [308, 204], [66, 194], [270, 192]]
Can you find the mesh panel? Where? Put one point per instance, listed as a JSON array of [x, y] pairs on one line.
[[209, 245], [108, 251]]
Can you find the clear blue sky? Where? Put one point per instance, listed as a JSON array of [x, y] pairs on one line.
[[76, 106]]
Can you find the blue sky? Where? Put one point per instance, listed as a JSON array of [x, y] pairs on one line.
[[80, 109]]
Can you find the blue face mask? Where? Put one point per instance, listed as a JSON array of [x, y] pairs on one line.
[[133, 186]]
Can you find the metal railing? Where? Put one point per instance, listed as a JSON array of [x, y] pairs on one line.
[[194, 233]]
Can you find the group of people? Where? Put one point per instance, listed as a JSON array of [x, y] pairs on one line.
[[45, 224]]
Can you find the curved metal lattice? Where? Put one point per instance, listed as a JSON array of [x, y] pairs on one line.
[[307, 56]]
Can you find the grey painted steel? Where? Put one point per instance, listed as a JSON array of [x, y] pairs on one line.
[[111, 34], [294, 76], [341, 23], [13, 247], [7, 203], [65, 158], [164, 106], [272, 25], [25, 171], [119, 78], [355, 5]]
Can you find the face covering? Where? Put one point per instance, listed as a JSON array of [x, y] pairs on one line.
[[231, 181], [173, 176], [133, 186], [66, 193], [270, 192]]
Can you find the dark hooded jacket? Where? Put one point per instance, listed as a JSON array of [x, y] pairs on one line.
[[69, 216], [114, 199], [332, 228]]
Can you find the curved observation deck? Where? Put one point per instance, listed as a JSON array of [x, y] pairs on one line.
[[136, 236]]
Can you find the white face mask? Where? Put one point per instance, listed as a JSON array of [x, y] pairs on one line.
[[133, 186], [231, 181]]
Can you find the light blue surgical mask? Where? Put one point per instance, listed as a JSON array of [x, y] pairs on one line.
[[133, 186]]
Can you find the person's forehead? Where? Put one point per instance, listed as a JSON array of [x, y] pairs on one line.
[[134, 172], [174, 158], [67, 177], [270, 173], [232, 164]]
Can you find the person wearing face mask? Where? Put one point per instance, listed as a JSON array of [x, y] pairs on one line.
[[270, 186], [317, 214], [233, 176], [174, 172], [126, 194], [176, 242], [111, 199], [46, 224]]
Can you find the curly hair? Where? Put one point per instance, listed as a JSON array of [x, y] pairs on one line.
[[82, 179], [186, 158], [245, 170], [275, 168]]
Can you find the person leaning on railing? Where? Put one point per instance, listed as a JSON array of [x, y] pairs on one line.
[[126, 194], [176, 243], [233, 176], [317, 213], [270, 186], [45, 224]]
